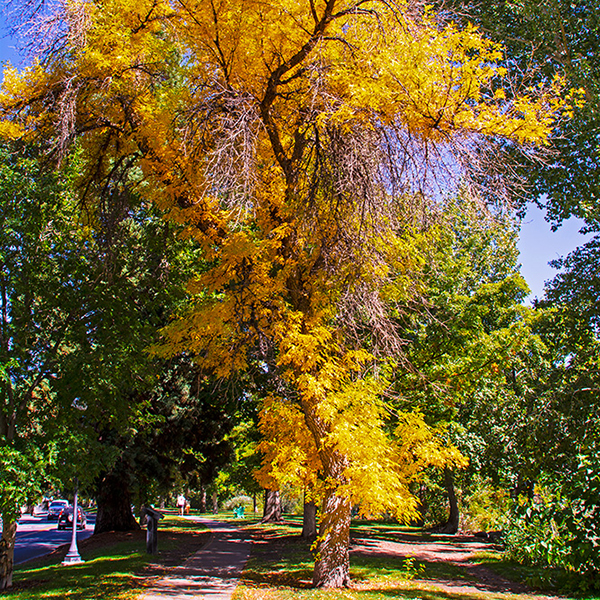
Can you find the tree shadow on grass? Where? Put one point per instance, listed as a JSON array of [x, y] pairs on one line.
[[368, 563], [279, 559], [282, 558], [417, 537], [100, 577], [369, 556], [299, 579]]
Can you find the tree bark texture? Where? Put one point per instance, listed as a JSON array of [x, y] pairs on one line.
[[451, 525], [272, 511], [332, 565], [215, 503], [7, 551], [332, 562], [309, 520], [114, 504]]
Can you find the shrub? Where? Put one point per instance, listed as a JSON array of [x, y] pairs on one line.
[[560, 526], [236, 501], [487, 508]]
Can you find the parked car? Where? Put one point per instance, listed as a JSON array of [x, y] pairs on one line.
[[65, 520], [55, 508]]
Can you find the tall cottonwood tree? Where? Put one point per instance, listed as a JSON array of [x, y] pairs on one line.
[[295, 141]]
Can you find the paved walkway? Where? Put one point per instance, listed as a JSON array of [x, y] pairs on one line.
[[212, 572]]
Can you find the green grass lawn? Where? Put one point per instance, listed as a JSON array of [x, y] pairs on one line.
[[548, 580], [281, 565], [116, 565]]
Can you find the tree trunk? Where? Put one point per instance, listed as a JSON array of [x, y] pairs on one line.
[[272, 510], [423, 506], [215, 503], [7, 551], [332, 566], [202, 499], [309, 520], [332, 563], [454, 517], [114, 504]]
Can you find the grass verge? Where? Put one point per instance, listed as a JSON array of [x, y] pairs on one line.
[[281, 565], [116, 565], [547, 579]]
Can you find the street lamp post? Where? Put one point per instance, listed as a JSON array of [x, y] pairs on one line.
[[73, 557]]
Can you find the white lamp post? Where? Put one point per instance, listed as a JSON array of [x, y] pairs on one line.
[[72, 557]]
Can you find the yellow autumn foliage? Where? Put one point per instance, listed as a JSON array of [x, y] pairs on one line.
[[380, 464], [296, 142]]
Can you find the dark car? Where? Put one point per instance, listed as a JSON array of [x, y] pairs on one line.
[[55, 508], [65, 520]]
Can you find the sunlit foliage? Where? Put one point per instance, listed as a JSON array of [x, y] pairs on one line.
[[301, 145]]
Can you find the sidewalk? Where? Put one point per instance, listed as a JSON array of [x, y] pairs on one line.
[[212, 572]]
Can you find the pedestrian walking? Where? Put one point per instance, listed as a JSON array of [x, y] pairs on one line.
[[181, 504]]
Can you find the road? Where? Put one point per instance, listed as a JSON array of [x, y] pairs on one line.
[[36, 536]]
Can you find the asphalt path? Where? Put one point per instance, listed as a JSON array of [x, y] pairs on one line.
[[36, 536]]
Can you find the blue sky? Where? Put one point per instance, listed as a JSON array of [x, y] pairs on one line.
[[538, 244], [7, 49]]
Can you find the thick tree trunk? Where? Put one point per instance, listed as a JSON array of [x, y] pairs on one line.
[[215, 503], [272, 511], [114, 504], [332, 567], [309, 520], [454, 517], [7, 551]]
